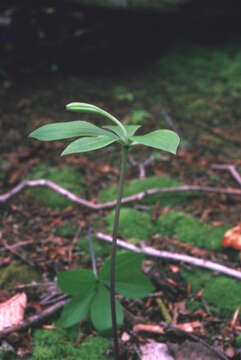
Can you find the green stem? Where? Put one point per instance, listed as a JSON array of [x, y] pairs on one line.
[[118, 123], [124, 155]]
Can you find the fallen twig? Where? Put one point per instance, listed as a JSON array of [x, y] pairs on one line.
[[141, 165], [18, 244], [230, 168], [12, 250], [110, 204], [173, 256], [34, 319]]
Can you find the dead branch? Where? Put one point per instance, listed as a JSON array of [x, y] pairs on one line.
[[18, 244], [230, 168], [143, 164], [174, 256], [12, 249], [33, 320], [110, 204]]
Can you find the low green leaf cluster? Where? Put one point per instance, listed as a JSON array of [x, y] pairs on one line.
[[90, 294], [94, 137]]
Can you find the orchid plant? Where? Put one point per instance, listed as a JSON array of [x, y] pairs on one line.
[[91, 137]]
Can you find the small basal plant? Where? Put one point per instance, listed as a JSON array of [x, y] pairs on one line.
[[94, 294]]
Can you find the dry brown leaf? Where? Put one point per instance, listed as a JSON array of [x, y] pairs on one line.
[[232, 238], [12, 310]]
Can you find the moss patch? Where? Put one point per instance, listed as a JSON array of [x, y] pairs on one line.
[[53, 344], [133, 224], [202, 81], [238, 340], [221, 293], [65, 177], [16, 273], [189, 230], [101, 248], [66, 231], [136, 186]]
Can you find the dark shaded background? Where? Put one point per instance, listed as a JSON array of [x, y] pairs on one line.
[[45, 34]]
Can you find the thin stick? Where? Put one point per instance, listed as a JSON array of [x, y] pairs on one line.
[[18, 254], [124, 155], [110, 204], [92, 253], [20, 243], [174, 256], [230, 168]]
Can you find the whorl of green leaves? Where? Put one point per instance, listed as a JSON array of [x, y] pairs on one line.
[[93, 137]]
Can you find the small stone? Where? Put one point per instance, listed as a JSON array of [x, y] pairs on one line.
[[155, 351]]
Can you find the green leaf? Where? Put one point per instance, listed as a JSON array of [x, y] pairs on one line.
[[130, 281], [100, 312], [65, 130], [87, 144], [131, 129], [166, 140], [76, 309], [83, 107], [76, 282]]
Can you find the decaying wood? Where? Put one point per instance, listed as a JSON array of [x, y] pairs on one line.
[[110, 204], [173, 256]]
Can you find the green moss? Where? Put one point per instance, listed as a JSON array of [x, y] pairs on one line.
[[136, 186], [17, 274], [167, 222], [189, 230], [65, 177], [101, 248], [133, 224], [66, 231], [58, 345], [238, 340], [193, 305], [197, 278], [2, 175], [202, 80], [221, 293]]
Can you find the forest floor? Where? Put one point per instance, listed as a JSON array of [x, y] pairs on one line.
[[194, 90]]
